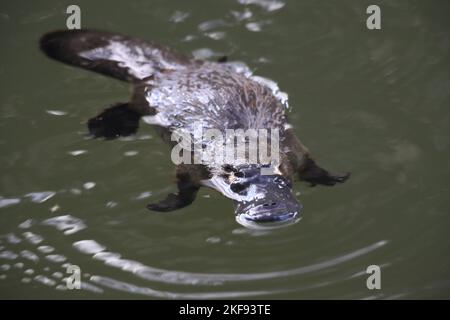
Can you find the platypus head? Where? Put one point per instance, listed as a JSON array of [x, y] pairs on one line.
[[261, 201]]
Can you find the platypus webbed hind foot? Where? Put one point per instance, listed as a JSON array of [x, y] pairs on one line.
[[315, 175], [116, 121]]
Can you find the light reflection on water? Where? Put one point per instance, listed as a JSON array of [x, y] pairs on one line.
[[33, 259]]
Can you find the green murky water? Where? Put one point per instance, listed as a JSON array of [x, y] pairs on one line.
[[375, 103]]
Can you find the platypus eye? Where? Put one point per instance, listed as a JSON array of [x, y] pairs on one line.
[[240, 174], [228, 168], [247, 173], [238, 187]]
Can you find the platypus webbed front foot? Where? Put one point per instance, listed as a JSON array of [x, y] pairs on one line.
[[187, 191], [315, 175], [116, 121], [173, 202]]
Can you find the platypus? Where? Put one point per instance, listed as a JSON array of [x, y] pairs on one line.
[[172, 91]]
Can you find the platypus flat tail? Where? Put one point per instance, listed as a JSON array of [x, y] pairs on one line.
[[121, 57]]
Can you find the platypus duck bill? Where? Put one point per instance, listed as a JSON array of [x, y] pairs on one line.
[[265, 200]]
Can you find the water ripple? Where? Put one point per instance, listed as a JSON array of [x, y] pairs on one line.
[[179, 277], [66, 223], [131, 288]]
